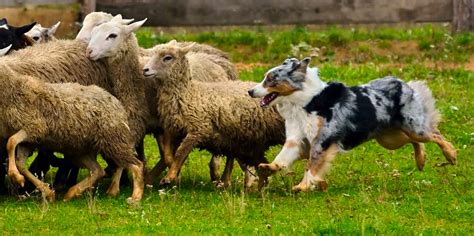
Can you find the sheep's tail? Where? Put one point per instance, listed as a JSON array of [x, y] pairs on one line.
[[426, 98]]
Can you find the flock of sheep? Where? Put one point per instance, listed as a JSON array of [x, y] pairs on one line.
[[91, 95]]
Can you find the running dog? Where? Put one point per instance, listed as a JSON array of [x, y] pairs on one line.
[[322, 119]]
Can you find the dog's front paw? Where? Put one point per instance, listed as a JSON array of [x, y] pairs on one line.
[[301, 187], [268, 169]]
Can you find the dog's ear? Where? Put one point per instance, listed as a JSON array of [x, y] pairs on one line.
[[303, 65], [3, 21], [19, 31]]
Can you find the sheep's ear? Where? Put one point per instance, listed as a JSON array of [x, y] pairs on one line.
[[135, 26], [23, 29], [53, 28], [117, 19], [188, 48], [4, 51], [127, 21]]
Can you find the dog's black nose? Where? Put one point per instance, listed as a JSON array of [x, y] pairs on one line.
[[146, 70], [251, 92]]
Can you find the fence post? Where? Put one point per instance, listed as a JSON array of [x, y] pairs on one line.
[[88, 6], [463, 15]]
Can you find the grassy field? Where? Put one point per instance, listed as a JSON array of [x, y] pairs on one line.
[[371, 190]]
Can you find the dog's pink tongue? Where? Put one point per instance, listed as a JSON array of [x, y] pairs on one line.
[[262, 102]]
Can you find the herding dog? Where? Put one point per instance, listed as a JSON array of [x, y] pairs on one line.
[[322, 119]]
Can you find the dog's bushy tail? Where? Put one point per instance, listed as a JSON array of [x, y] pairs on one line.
[[425, 96]]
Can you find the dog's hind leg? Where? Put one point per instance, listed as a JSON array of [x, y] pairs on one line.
[[448, 149], [318, 165], [419, 154]]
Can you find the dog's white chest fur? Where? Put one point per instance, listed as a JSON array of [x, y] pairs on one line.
[[298, 123]]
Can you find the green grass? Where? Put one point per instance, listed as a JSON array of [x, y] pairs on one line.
[[371, 190]]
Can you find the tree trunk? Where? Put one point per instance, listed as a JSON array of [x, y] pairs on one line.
[[463, 15], [88, 6]]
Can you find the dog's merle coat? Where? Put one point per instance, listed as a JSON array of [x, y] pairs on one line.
[[334, 117], [352, 115]]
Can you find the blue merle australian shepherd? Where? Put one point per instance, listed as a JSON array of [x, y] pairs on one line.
[[322, 119]]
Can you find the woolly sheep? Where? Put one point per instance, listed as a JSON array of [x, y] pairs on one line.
[[77, 120], [208, 67], [219, 117], [40, 34]]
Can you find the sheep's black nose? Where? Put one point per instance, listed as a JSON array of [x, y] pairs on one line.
[[251, 92]]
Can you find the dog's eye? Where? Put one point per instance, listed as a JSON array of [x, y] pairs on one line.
[[111, 36], [36, 38], [167, 58]]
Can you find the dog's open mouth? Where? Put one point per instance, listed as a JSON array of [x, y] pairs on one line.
[[268, 99]]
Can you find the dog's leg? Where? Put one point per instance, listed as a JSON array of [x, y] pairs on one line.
[[288, 155], [419, 154], [318, 165], [186, 146], [448, 149]]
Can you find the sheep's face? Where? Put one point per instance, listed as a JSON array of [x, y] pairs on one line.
[[40, 34], [107, 39], [92, 20], [167, 60]]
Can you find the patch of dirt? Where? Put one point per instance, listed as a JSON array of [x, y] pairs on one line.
[[67, 14], [248, 66], [470, 65]]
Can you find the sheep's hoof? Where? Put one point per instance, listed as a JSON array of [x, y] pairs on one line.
[[113, 191], [71, 193], [166, 181], [18, 178], [133, 200], [50, 195]]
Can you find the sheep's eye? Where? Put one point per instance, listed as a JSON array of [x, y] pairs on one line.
[[36, 38], [112, 36], [167, 58]]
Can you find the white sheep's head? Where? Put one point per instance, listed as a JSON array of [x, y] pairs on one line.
[[40, 34], [166, 60], [92, 20], [107, 38]]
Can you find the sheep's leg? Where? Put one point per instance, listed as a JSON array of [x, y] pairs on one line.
[[13, 172], [165, 147], [214, 166], [186, 146], [226, 176], [156, 171], [22, 155], [249, 177], [114, 188], [96, 172], [165, 143], [318, 165], [41, 165], [138, 185]]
